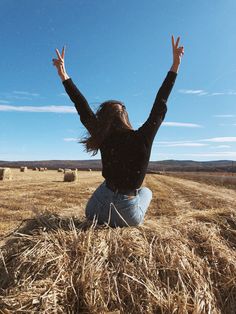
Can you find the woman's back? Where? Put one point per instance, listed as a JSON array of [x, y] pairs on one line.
[[125, 158]]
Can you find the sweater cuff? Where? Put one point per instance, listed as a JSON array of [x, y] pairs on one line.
[[172, 74], [67, 82]]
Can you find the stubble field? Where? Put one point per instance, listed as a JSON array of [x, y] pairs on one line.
[[181, 260]]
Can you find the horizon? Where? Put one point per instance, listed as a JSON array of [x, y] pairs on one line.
[[118, 50], [92, 160]]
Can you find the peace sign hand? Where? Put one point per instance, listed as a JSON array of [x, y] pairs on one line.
[[177, 54], [60, 64], [177, 51]]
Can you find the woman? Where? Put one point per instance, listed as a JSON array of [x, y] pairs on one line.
[[120, 200]]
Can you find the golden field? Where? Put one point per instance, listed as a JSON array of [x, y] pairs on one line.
[[181, 260]]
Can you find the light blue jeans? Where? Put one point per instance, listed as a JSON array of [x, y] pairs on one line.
[[118, 210]]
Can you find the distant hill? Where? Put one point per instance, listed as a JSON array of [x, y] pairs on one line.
[[165, 165]]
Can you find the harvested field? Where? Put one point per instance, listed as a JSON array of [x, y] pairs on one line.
[[224, 179], [181, 260]]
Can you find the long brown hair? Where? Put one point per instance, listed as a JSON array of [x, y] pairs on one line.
[[109, 119]]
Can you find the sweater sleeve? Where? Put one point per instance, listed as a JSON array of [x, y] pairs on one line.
[[149, 129], [87, 117]]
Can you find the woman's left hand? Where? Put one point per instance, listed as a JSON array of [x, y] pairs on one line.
[[60, 64]]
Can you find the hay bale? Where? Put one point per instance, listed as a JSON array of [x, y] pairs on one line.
[[5, 174], [45, 169], [35, 169], [66, 170], [23, 169], [70, 176], [89, 169], [60, 170], [41, 169], [163, 267]]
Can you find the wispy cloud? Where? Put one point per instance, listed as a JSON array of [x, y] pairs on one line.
[[220, 139], [201, 92], [179, 144], [191, 91], [217, 93], [182, 124], [220, 146], [19, 97], [25, 93], [224, 115], [183, 144], [71, 139], [4, 101], [53, 109]]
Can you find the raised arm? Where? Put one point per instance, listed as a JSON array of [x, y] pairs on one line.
[[159, 108], [87, 116]]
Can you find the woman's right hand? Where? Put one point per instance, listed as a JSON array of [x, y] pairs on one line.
[[60, 64], [177, 54]]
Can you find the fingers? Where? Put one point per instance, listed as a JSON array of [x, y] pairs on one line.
[[57, 63], [175, 45], [173, 41], [63, 52], [58, 54], [181, 49], [177, 42]]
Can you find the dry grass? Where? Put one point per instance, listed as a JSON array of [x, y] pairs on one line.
[[182, 260], [224, 179]]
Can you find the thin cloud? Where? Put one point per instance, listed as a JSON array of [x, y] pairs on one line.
[[25, 93], [179, 144], [191, 91], [220, 139], [183, 144], [217, 93], [224, 115], [20, 97], [4, 101], [71, 139], [52, 109], [182, 124], [200, 92], [220, 146]]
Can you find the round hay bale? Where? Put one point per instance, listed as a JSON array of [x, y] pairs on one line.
[[41, 169], [5, 174], [35, 169], [60, 170], [70, 176], [23, 169], [67, 170]]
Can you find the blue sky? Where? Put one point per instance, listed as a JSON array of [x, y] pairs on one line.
[[117, 49]]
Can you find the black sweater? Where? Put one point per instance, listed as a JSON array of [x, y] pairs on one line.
[[125, 155]]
